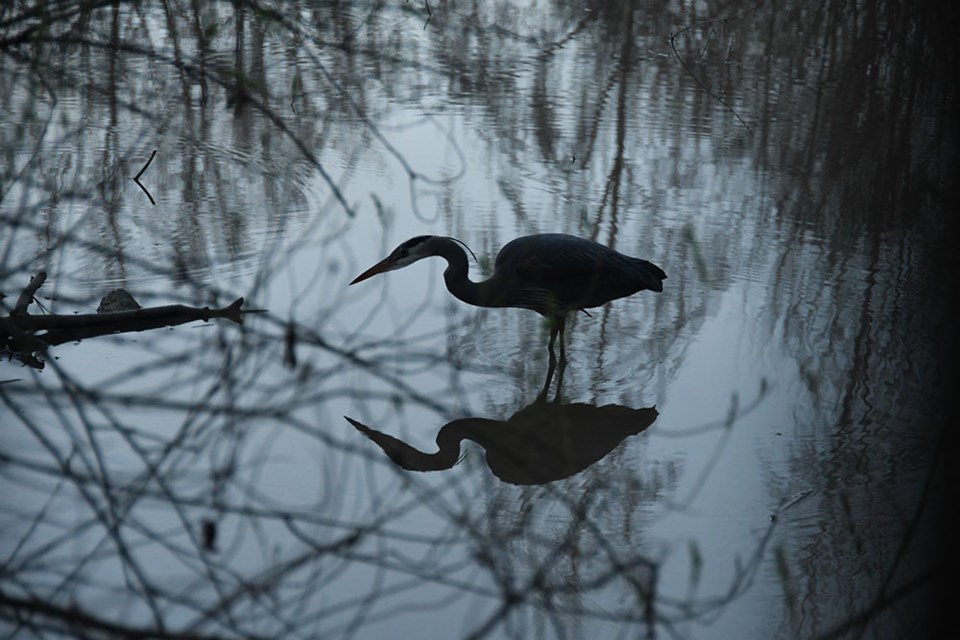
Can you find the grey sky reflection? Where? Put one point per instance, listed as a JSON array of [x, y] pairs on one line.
[[786, 165]]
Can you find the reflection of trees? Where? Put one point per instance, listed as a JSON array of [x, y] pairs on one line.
[[164, 517], [252, 104], [189, 81], [858, 160], [847, 110]]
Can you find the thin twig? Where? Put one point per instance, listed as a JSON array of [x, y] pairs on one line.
[[136, 178], [673, 46]]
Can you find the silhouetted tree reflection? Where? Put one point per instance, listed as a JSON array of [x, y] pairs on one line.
[[150, 493]]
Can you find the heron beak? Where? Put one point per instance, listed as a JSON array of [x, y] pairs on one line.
[[387, 264]]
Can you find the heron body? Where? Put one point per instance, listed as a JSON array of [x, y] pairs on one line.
[[553, 274]]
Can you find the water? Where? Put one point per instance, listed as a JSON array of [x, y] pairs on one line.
[[786, 166]]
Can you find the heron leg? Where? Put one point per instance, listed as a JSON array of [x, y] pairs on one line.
[[554, 329], [563, 340], [551, 367], [557, 327], [556, 397]]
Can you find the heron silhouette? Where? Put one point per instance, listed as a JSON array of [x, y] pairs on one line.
[[553, 274], [542, 442]]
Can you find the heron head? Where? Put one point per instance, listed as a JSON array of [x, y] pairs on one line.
[[406, 254]]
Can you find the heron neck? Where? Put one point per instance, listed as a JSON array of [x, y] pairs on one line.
[[447, 455], [448, 452], [449, 439], [456, 278]]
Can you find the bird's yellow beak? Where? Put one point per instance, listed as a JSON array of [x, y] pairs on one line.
[[387, 264]]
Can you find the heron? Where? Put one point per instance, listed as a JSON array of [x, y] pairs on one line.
[[553, 274]]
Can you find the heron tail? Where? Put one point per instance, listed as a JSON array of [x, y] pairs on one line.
[[651, 276]]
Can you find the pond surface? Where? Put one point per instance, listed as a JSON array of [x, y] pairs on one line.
[[757, 451]]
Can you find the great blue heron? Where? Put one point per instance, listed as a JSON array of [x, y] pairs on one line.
[[551, 273]]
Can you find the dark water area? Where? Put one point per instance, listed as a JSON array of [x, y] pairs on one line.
[[763, 449]]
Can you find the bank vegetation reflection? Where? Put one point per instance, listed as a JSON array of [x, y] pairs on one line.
[[110, 484]]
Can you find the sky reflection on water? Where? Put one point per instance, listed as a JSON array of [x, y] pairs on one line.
[[784, 165]]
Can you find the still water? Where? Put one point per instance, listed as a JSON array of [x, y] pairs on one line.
[[755, 452]]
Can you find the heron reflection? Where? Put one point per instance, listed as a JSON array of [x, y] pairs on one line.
[[553, 274], [542, 442]]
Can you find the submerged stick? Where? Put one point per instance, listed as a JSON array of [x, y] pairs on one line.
[[63, 328], [136, 178], [26, 296], [23, 336]]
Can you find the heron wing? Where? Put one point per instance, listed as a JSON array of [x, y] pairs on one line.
[[565, 273]]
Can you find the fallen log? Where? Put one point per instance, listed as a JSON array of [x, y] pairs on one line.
[[66, 328], [23, 334]]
